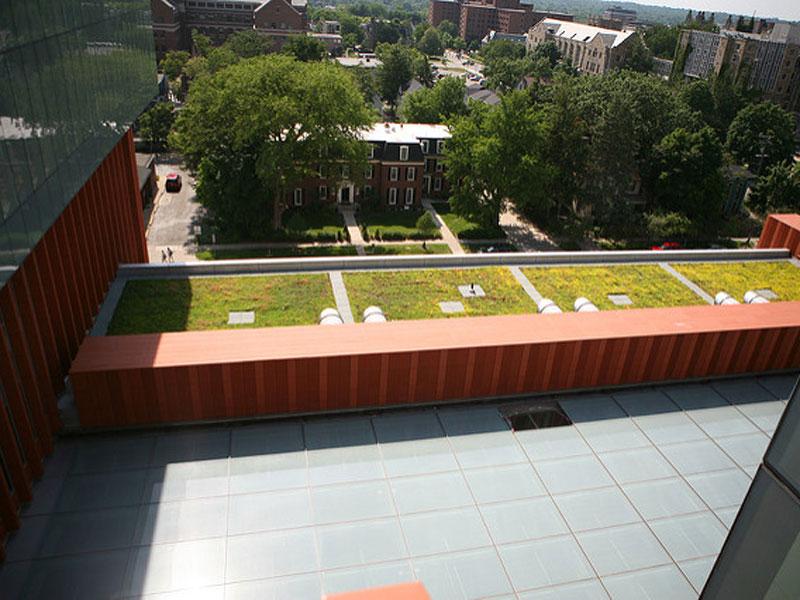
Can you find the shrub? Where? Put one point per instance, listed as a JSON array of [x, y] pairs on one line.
[[426, 223], [296, 223]]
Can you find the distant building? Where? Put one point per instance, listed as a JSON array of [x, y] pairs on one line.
[[768, 61], [615, 18], [519, 38], [174, 20], [405, 165], [591, 50], [476, 18], [662, 67]]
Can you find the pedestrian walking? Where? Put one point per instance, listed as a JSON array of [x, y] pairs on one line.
[[163, 256], [169, 254]]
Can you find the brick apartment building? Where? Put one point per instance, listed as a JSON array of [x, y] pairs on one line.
[[405, 165], [475, 18], [174, 20], [592, 50], [768, 60]]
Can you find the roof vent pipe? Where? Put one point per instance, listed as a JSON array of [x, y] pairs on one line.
[[752, 297], [585, 305], [374, 314], [330, 316], [547, 307], [724, 299]]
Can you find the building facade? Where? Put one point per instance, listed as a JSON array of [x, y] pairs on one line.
[[476, 18], [76, 76], [174, 20], [405, 165], [591, 50], [768, 61]]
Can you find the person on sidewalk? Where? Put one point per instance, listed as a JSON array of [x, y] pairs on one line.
[[163, 256], [169, 254]]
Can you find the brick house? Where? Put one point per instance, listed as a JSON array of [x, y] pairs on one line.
[[405, 164]]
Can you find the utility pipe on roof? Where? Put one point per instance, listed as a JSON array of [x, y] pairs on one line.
[[753, 297], [547, 307], [724, 299], [585, 305], [330, 316]]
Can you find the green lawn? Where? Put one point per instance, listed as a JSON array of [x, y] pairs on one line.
[[395, 225], [649, 286], [408, 249], [322, 224], [342, 250], [416, 294], [193, 304], [465, 229], [477, 247], [783, 277]]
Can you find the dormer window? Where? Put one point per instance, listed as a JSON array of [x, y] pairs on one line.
[[403, 152], [425, 146], [439, 146], [371, 151]]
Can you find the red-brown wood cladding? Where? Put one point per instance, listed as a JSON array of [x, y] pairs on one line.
[[781, 231], [135, 380], [46, 309]]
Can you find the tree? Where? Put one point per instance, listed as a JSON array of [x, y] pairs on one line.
[[426, 223], [248, 43], [255, 131], [547, 50], [503, 74], [662, 40], [305, 48], [639, 57], [422, 69], [154, 125], [444, 100], [220, 58], [698, 97], [431, 42], [498, 49], [449, 28], [173, 63], [687, 176], [762, 135], [494, 156], [201, 43], [395, 72], [778, 190]]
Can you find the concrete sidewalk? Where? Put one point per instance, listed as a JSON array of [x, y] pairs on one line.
[[447, 235], [352, 228]]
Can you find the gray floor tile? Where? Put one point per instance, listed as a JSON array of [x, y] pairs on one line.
[[268, 472], [697, 571], [113, 453], [95, 576], [709, 410], [690, 536], [659, 417], [640, 464], [46, 495], [663, 498], [620, 549], [107, 529], [590, 408], [546, 562], [660, 583], [168, 567], [431, 492], [187, 481], [284, 437], [744, 390], [697, 457], [294, 587], [250, 513], [444, 531], [413, 443], [341, 450], [59, 464], [727, 515], [462, 576], [366, 577], [780, 386], [721, 489], [182, 521], [509, 482], [271, 554], [351, 502], [214, 592], [480, 438], [213, 443], [353, 544], [582, 590], [643, 402], [612, 434], [765, 415], [572, 474], [556, 442], [522, 520], [596, 508], [746, 450], [99, 490]]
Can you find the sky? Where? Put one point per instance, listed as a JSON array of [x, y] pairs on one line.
[[783, 9]]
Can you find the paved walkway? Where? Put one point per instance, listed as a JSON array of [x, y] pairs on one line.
[[340, 293], [352, 228], [524, 235], [172, 219], [447, 235], [687, 282], [526, 284]]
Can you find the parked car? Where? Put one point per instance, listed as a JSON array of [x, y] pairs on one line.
[[174, 182], [668, 246]]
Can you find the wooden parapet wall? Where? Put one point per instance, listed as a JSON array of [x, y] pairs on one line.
[[781, 231], [176, 377]]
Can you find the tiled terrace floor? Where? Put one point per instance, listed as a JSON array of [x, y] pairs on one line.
[[632, 501]]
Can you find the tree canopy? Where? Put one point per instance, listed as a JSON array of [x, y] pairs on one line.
[[444, 100], [155, 124], [394, 74], [762, 135], [305, 48]]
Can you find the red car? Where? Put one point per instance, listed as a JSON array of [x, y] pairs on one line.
[[173, 182], [668, 246]]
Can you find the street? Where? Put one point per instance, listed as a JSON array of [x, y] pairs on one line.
[[173, 217]]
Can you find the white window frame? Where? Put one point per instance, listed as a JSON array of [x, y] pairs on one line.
[[372, 151], [370, 171], [323, 192], [392, 196], [437, 184], [298, 196], [403, 153], [394, 174], [439, 146], [439, 166], [425, 146], [409, 196], [411, 173], [345, 171], [321, 171]]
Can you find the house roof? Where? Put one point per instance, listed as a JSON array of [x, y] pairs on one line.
[[406, 133], [579, 32]]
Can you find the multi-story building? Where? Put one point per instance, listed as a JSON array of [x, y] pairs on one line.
[[615, 17], [591, 50], [768, 61], [476, 18], [406, 164], [174, 20]]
